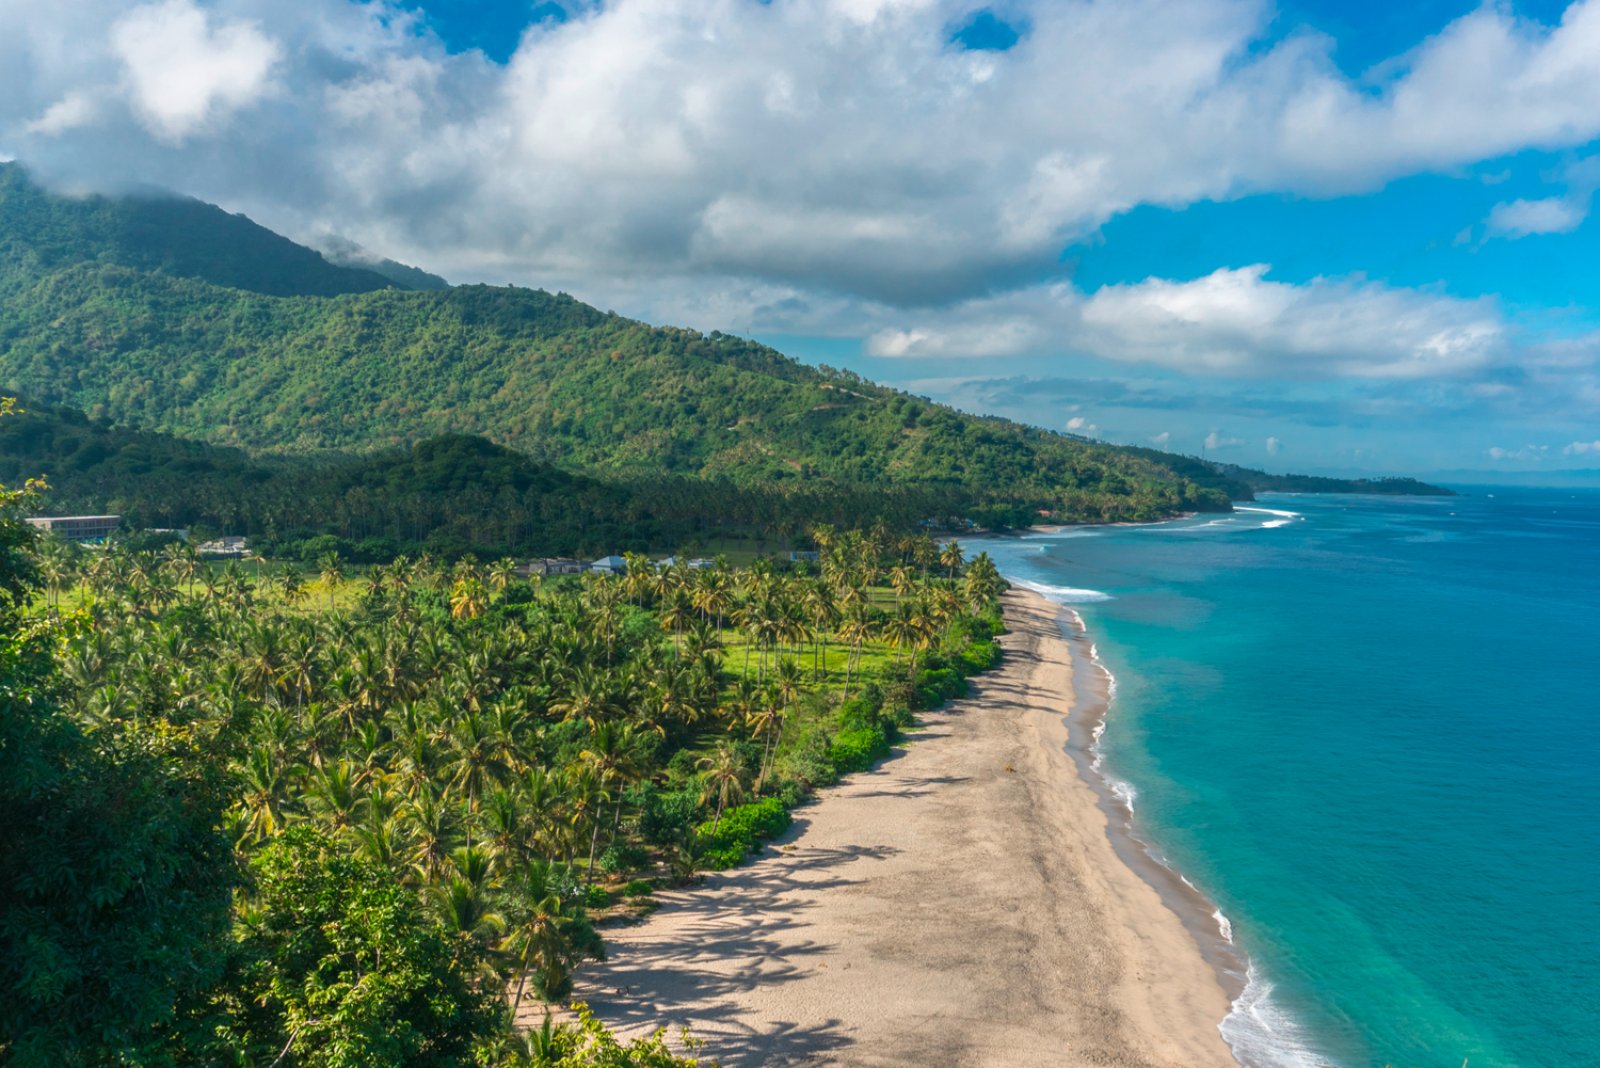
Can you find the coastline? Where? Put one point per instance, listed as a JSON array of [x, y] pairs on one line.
[[963, 904]]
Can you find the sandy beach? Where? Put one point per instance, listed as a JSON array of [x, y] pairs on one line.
[[960, 905]]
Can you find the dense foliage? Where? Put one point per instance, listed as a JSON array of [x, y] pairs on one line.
[[425, 786], [125, 337], [447, 496]]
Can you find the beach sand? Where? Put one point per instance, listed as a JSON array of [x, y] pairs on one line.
[[960, 905]]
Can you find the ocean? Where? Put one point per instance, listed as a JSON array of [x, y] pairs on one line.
[[1367, 729]]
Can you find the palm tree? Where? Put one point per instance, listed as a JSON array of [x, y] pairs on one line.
[[501, 572], [468, 598], [613, 752], [765, 719], [677, 610], [332, 574], [588, 697], [724, 779], [950, 556], [541, 934]]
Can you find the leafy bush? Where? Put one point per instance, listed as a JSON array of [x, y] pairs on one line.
[[638, 888], [621, 856], [857, 750], [980, 656], [807, 763], [736, 834], [597, 897], [665, 815], [946, 682]]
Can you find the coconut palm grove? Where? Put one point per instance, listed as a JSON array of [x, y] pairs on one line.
[[374, 815]]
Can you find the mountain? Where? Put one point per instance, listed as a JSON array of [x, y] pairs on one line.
[[172, 315], [162, 234]]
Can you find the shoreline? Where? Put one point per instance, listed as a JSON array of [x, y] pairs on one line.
[[1204, 919], [964, 904]]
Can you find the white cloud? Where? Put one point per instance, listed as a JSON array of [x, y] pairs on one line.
[[1079, 425], [1216, 440], [1550, 215], [71, 111], [1582, 448], [1273, 446], [1161, 439], [186, 73], [1525, 453], [1231, 322], [831, 146]]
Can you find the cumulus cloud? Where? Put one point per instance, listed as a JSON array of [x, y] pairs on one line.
[[1549, 215], [1217, 440], [1160, 440], [831, 146], [1234, 321], [1273, 445], [1079, 425], [1582, 448], [185, 72]]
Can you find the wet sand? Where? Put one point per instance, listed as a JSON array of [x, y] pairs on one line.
[[960, 905]]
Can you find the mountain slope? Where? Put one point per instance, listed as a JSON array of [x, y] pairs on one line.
[[100, 320], [165, 234], [172, 315]]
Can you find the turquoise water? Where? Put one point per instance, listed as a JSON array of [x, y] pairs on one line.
[[1369, 730]]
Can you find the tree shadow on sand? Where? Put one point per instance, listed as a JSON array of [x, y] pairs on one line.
[[719, 943]]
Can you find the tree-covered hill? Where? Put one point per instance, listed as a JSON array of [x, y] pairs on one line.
[[446, 495], [161, 233], [172, 315], [101, 320]]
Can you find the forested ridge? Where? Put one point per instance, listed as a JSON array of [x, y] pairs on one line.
[[449, 496], [197, 352]]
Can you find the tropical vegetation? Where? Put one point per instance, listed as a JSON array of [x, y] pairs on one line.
[[338, 816]]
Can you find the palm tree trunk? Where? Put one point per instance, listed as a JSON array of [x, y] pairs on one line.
[[594, 842]]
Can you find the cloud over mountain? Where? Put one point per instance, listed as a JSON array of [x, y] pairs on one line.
[[831, 145]]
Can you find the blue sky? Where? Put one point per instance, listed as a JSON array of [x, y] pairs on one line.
[[1314, 235]]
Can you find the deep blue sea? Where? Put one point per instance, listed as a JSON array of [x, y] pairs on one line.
[[1369, 730]]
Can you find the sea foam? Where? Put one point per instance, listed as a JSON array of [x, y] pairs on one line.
[[1260, 1033], [1062, 594], [1282, 518]]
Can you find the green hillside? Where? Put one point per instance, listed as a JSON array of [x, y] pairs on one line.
[[122, 336], [446, 495], [165, 234]]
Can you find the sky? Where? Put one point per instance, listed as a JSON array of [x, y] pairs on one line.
[[1317, 235]]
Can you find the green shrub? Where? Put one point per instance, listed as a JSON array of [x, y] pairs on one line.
[[857, 750], [597, 897], [621, 857], [807, 763], [666, 815], [638, 888], [792, 794], [946, 682], [980, 656], [739, 830]]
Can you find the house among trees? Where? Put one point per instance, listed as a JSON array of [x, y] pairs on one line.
[[614, 565], [234, 545], [78, 527], [554, 566]]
